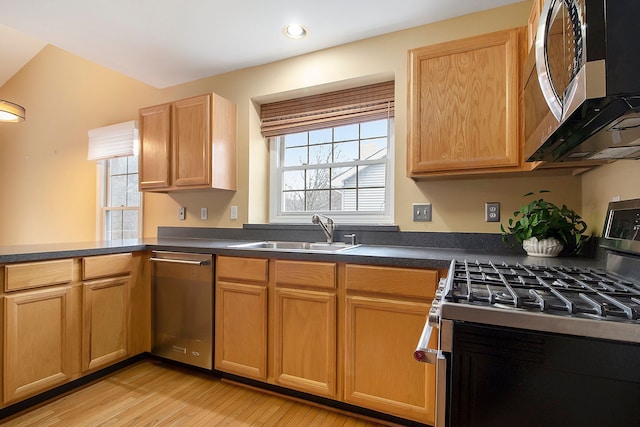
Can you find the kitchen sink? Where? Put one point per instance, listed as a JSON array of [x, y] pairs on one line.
[[296, 246]]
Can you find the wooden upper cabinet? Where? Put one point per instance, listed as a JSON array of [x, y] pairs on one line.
[[155, 147], [464, 106], [188, 144], [534, 20], [190, 127]]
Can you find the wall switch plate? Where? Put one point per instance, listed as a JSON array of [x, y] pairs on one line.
[[234, 212], [182, 213], [204, 213], [492, 211], [422, 212]]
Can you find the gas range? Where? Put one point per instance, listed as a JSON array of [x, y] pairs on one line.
[[589, 302], [516, 338], [569, 300]]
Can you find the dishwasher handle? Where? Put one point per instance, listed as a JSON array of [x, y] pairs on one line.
[[180, 261]]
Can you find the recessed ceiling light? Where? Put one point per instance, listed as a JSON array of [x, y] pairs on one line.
[[295, 31]]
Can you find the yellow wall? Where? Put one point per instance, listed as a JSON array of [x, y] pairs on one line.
[[47, 187], [599, 186]]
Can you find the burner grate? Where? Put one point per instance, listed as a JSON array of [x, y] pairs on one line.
[[558, 290]]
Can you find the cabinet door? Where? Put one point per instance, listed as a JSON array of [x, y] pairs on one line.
[[305, 341], [380, 371], [464, 105], [37, 332], [104, 321], [241, 329], [191, 136], [154, 159]]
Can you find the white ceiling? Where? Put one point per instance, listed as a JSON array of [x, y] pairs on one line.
[[168, 42]]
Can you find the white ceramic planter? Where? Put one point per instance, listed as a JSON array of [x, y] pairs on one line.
[[543, 248]]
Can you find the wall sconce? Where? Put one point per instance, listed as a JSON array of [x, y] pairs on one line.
[[10, 112]]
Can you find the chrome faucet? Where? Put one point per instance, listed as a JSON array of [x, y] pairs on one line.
[[328, 228]]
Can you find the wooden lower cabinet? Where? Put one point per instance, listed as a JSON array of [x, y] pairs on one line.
[[241, 329], [58, 327], [342, 331], [305, 341], [105, 321], [38, 332], [380, 372]]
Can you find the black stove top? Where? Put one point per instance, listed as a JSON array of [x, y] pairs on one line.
[[552, 290]]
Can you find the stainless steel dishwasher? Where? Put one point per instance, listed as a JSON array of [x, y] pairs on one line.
[[182, 316]]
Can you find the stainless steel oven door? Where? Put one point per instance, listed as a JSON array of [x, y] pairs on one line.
[[438, 357]]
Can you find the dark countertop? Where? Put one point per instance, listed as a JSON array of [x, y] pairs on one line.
[[396, 255]]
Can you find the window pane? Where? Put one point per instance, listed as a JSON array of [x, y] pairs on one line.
[[371, 199], [295, 156], [133, 195], [129, 224], [118, 190], [118, 165], [346, 152], [371, 175], [132, 164], [320, 154], [373, 129], [345, 133], [343, 177], [295, 139], [293, 201], [293, 180], [317, 201], [373, 148], [318, 178], [349, 200], [336, 200], [114, 224], [319, 136]]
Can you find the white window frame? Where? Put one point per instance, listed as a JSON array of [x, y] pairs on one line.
[[102, 208], [276, 215]]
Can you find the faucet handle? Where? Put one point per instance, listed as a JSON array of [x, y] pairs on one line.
[[352, 236]]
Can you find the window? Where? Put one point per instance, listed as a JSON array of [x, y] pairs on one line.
[[332, 153], [119, 199], [342, 171]]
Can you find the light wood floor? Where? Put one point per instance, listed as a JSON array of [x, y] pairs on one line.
[[152, 393]]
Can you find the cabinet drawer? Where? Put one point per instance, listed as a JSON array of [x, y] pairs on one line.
[[318, 274], [106, 265], [34, 274], [235, 268], [410, 282]]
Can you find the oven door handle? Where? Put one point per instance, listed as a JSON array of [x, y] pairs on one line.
[[423, 353]]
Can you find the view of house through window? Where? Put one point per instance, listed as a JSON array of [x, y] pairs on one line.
[[121, 205], [340, 170]]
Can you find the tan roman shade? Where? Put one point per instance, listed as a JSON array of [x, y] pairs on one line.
[[331, 109]]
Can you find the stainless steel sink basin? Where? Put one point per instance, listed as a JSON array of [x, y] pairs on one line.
[[295, 246]]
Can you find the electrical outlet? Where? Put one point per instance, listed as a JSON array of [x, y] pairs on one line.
[[492, 211], [234, 212], [422, 212], [203, 213], [182, 213]]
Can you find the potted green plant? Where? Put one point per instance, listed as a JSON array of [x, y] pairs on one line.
[[544, 229]]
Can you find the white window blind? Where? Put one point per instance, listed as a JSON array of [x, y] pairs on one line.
[[118, 140]]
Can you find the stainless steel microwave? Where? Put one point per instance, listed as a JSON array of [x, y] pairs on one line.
[[582, 82]]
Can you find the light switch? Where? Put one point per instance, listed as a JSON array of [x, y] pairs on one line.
[[422, 212]]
